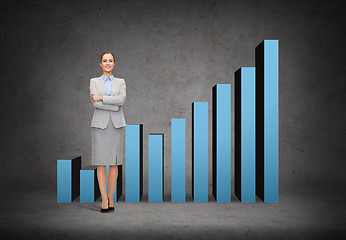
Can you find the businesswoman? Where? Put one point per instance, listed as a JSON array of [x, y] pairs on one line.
[[107, 94]]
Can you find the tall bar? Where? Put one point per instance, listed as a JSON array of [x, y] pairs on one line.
[[89, 187], [245, 144], [155, 168], [133, 163], [200, 151], [118, 185], [222, 142], [267, 120], [178, 160], [68, 179]]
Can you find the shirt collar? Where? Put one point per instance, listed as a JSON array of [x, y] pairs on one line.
[[104, 77]]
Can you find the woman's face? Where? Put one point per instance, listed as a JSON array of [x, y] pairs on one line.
[[107, 64]]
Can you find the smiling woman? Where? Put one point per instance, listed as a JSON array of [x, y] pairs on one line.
[[107, 94]]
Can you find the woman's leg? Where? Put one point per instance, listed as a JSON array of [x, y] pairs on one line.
[[102, 178], [112, 179]]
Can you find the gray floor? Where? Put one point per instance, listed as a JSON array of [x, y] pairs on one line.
[[33, 214]]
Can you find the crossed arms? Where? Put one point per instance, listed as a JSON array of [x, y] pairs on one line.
[[109, 103]]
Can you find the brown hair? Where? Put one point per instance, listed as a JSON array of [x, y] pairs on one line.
[[107, 53]]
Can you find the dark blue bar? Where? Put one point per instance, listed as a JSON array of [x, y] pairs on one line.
[[68, 179], [200, 151], [155, 168], [245, 151], [133, 163], [267, 120], [222, 142], [89, 188], [178, 160]]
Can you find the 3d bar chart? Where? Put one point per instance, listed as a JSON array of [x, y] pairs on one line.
[[256, 139], [267, 120], [133, 163], [222, 142], [200, 151], [155, 168], [68, 177], [245, 136], [178, 160]]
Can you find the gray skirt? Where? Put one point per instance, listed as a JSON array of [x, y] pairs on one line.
[[107, 145]]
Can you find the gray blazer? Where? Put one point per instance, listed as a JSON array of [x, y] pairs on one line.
[[111, 107]]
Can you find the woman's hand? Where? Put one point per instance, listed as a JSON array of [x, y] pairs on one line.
[[95, 97], [120, 93]]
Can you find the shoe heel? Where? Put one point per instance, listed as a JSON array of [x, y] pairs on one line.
[[103, 210], [110, 208]]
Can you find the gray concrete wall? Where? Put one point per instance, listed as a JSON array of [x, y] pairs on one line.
[[171, 53]]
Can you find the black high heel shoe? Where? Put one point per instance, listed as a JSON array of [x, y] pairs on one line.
[[103, 210], [110, 208]]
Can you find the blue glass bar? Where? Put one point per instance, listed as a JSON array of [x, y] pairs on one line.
[[222, 142], [267, 120], [118, 184], [200, 151], [133, 163], [89, 188], [68, 179], [155, 168], [245, 135], [178, 160]]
